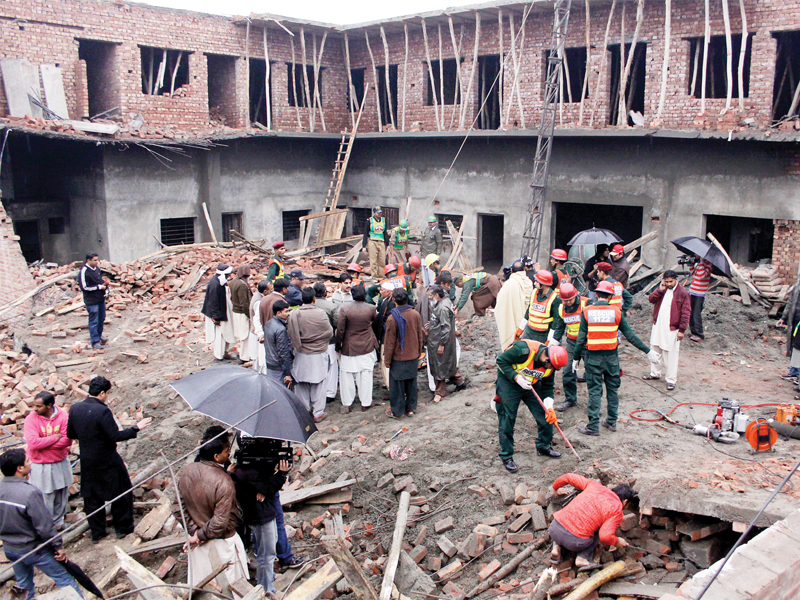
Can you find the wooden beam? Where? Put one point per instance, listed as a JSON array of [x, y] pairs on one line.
[[266, 82], [141, 578], [603, 59], [316, 585], [405, 78], [585, 86], [509, 568], [397, 545], [294, 85], [296, 496], [375, 78], [665, 63], [612, 571], [208, 222], [351, 90], [306, 87], [726, 18], [362, 589], [430, 75], [166, 543], [246, 70], [317, 67], [648, 237], [622, 112], [387, 78], [706, 41], [501, 79], [327, 213], [466, 101], [742, 53], [457, 54], [441, 74]]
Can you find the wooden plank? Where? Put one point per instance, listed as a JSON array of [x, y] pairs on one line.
[[307, 249], [640, 242], [208, 221], [362, 589], [743, 291], [70, 308], [44, 285], [142, 578], [397, 545], [621, 588], [326, 213], [302, 494], [107, 129], [316, 585], [159, 544], [77, 361], [339, 497], [149, 527]]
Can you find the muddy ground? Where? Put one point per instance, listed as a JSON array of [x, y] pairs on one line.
[[455, 442]]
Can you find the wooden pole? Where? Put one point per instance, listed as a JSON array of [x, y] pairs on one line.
[[622, 117], [696, 67], [294, 85], [306, 88], [460, 87], [706, 40], [175, 73], [247, 70], [519, 85], [388, 79], [510, 567], [737, 275], [441, 74], [317, 69], [405, 79], [266, 81], [430, 75], [665, 63], [620, 86], [375, 78], [351, 89], [150, 72], [603, 59], [457, 54], [742, 53], [726, 18], [513, 50], [588, 64], [208, 222], [468, 102], [352, 571], [612, 571], [397, 545], [501, 78]]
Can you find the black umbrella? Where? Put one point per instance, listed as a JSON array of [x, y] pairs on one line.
[[704, 249], [229, 393], [82, 578], [594, 236]]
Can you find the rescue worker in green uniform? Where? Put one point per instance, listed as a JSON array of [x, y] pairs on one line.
[[276, 265], [410, 268], [597, 345], [483, 287], [376, 238], [526, 366], [621, 297], [397, 250], [570, 311], [557, 259], [541, 318]]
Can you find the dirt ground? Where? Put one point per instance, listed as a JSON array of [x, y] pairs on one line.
[[455, 442]]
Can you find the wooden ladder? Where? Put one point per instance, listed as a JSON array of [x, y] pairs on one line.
[[342, 158]]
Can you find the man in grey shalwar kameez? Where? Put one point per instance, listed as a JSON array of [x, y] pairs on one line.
[[442, 345], [310, 331]]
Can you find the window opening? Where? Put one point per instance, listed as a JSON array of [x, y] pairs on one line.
[[451, 91], [573, 72], [383, 97], [634, 90], [177, 231], [56, 225], [489, 92], [222, 89], [443, 218], [231, 222], [163, 71], [258, 91], [717, 74], [787, 74], [357, 76], [29, 240], [101, 75], [291, 223], [747, 240], [299, 84]]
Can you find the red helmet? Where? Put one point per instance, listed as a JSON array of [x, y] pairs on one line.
[[618, 249], [389, 268], [567, 291], [605, 287], [354, 267], [558, 356], [415, 261], [559, 255], [544, 277]]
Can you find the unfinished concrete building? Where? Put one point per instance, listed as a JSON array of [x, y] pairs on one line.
[[672, 120]]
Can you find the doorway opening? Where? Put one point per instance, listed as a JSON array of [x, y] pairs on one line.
[[259, 87], [222, 88], [29, 241], [490, 239], [572, 217], [747, 240], [489, 92], [101, 75], [634, 90], [387, 117]]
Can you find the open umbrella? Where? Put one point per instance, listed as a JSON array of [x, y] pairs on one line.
[[594, 236], [704, 249], [229, 393]]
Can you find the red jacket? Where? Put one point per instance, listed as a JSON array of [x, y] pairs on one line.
[[595, 508], [41, 435], [679, 312]]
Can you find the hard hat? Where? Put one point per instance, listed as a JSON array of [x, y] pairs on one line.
[[604, 266], [527, 262], [389, 268], [430, 259], [605, 287], [377, 209], [618, 249], [354, 267], [558, 356], [567, 291], [415, 262], [403, 224], [544, 277], [559, 254], [432, 219]]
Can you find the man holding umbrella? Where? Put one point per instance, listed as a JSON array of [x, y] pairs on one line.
[[701, 277]]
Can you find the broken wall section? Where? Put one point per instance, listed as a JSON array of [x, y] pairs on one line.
[[786, 249], [15, 279]]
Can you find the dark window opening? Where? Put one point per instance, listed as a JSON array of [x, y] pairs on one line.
[[163, 71], [573, 73], [29, 241], [443, 219], [717, 69], [231, 222], [634, 90], [489, 92], [101, 75], [300, 86], [222, 89], [747, 241], [383, 97], [491, 235], [258, 91], [56, 225], [360, 218], [787, 74], [356, 96], [177, 231], [445, 73], [573, 217], [291, 223]]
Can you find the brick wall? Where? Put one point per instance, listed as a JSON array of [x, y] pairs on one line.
[[44, 32], [786, 248], [15, 279]]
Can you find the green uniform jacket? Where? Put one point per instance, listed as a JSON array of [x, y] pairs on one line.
[[627, 299], [517, 354], [624, 328], [557, 322], [466, 289], [273, 271]]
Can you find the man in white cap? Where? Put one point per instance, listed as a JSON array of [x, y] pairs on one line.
[[217, 309]]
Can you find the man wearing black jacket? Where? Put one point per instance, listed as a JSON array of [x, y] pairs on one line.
[[255, 491], [91, 282], [217, 309], [103, 473]]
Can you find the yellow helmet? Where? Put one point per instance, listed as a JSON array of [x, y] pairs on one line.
[[430, 259]]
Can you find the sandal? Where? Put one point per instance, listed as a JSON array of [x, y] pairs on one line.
[[651, 377], [589, 567], [410, 413], [391, 415], [435, 401], [670, 387]]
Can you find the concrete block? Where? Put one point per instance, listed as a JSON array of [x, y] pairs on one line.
[[410, 578], [53, 85], [486, 530], [703, 552], [20, 77]]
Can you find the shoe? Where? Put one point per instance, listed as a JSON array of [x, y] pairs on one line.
[[584, 429], [103, 339], [463, 385], [321, 418], [122, 534], [696, 338], [293, 563], [391, 415], [410, 413], [97, 346], [564, 406], [365, 408], [789, 377], [651, 377], [580, 378], [329, 400], [510, 465], [99, 539], [548, 452], [670, 387], [609, 426], [346, 409]]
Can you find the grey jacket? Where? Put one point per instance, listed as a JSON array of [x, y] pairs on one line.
[[25, 521], [431, 242], [278, 346]]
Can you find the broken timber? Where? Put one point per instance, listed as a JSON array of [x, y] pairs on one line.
[[509, 568], [302, 494], [350, 568], [612, 571], [316, 585], [142, 578], [397, 546]]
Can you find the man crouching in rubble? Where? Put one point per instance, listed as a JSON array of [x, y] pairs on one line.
[[592, 517]]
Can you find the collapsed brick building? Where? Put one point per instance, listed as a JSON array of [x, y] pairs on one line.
[[245, 115]]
